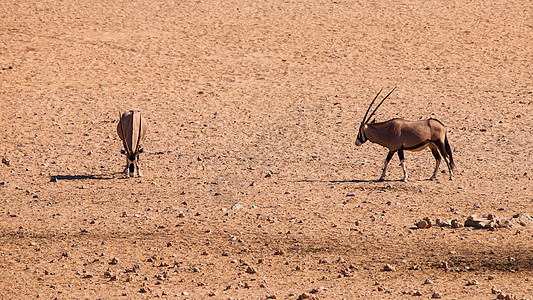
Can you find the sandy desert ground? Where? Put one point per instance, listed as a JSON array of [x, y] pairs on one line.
[[253, 187]]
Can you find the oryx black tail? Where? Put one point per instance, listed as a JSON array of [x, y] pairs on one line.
[[449, 151]]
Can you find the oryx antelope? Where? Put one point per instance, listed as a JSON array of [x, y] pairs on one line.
[[131, 129], [399, 135]]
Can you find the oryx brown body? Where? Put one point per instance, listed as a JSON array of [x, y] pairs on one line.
[[400, 135], [131, 129]]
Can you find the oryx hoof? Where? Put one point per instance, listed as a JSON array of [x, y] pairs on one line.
[[404, 179]]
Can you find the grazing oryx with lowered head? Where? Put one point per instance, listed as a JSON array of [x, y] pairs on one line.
[[398, 135], [131, 129]]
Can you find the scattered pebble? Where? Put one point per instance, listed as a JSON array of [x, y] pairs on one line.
[[472, 282], [388, 268], [424, 224], [305, 296], [237, 206]]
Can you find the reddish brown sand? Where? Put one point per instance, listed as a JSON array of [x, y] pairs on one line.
[[253, 187]]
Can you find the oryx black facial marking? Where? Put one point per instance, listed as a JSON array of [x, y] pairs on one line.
[[399, 135]]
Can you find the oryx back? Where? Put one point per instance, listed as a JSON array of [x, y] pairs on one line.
[[131, 129]]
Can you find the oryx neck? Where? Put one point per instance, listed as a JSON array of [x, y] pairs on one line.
[[377, 132]]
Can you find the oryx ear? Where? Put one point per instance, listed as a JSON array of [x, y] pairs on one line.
[[141, 150], [373, 121], [122, 151]]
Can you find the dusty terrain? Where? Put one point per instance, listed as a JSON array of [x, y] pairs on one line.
[[253, 187]]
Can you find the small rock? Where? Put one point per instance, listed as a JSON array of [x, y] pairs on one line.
[[416, 293], [436, 295], [473, 221], [455, 224], [114, 261], [388, 268], [237, 206], [304, 296], [279, 252], [428, 281], [6, 161], [472, 282], [422, 224], [251, 270], [444, 265]]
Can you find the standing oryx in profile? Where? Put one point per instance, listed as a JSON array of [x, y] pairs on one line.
[[131, 129], [398, 135]]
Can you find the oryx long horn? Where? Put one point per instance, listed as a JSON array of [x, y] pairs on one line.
[[139, 133], [123, 135], [370, 106], [380, 103]]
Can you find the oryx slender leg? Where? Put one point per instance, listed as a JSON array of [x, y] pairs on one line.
[[402, 163], [387, 160], [446, 156], [127, 169], [137, 167], [436, 154]]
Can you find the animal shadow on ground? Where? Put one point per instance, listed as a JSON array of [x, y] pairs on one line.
[[334, 181], [54, 178]]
